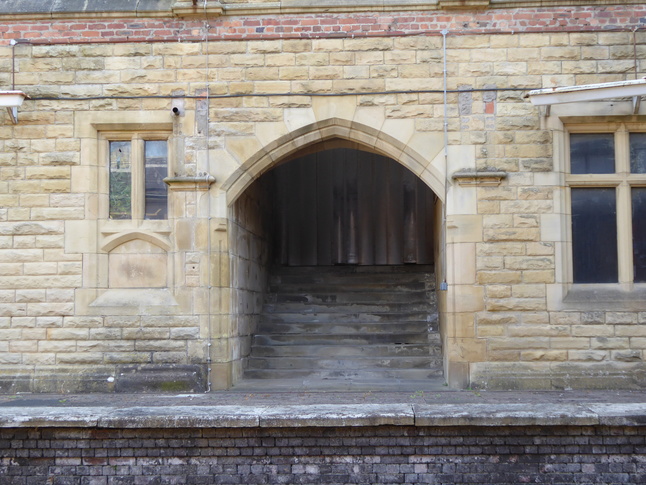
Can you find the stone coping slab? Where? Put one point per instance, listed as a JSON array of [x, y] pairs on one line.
[[326, 415]]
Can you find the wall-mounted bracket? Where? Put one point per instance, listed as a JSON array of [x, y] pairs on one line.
[[11, 100], [637, 101], [13, 114], [201, 182], [479, 178]]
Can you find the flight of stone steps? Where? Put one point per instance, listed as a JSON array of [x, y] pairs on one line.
[[348, 327]]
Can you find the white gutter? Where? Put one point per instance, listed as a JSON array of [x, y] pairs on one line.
[[590, 92]]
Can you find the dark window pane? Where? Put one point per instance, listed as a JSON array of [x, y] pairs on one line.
[[594, 235], [638, 152], [120, 180], [639, 233], [592, 153], [156, 164]]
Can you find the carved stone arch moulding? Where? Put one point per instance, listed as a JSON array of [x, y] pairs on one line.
[[121, 238], [370, 138]]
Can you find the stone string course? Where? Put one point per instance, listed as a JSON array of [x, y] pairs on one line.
[[539, 20], [366, 455]]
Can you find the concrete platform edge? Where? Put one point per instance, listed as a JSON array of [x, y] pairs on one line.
[[329, 415]]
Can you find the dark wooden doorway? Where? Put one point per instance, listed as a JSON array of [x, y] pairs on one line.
[[347, 206]]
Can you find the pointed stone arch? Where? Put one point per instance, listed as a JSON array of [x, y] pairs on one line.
[[429, 170]]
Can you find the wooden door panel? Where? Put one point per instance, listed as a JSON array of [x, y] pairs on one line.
[[345, 206]]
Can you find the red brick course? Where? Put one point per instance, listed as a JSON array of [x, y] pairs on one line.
[[562, 19]]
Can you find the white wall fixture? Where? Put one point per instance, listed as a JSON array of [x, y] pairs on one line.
[[590, 92], [11, 100]]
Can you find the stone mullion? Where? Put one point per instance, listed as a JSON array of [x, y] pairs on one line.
[[138, 178], [624, 221]]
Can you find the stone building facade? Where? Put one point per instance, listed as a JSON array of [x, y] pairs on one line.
[[164, 292]]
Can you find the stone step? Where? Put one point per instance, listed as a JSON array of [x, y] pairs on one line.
[[342, 351], [341, 317], [375, 382], [352, 297], [333, 307], [347, 339], [416, 270], [343, 363], [346, 328], [349, 324], [377, 375], [350, 285]]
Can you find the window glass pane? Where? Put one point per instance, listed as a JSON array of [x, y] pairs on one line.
[[592, 153], [120, 180], [594, 235], [639, 233], [156, 165], [638, 152]]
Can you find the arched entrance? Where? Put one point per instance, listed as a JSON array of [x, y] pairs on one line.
[[333, 254]]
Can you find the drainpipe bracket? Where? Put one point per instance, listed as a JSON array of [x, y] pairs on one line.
[[489, 178], [201, 182]]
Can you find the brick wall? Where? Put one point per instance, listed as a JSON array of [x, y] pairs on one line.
[[366, 455], [538, 20]]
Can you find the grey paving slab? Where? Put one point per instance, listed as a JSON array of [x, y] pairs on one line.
[[338, 415], [182, 416], [299, 408], [508, 414], [326, 415], [620, 414], [41, 417]]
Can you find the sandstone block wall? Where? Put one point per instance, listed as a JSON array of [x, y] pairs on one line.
[[277, 85]]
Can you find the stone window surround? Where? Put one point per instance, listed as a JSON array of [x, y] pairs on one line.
[[99, 233], [137, 138], [593, 117]]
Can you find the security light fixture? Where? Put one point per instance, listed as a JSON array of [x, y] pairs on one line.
[[11, 100]]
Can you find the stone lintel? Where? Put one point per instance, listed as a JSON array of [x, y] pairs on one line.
[[328, 415], [479, 178], [184, 184]]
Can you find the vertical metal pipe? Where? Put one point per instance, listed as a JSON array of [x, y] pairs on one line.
[[209, 344], [13, 43], [444, 284]]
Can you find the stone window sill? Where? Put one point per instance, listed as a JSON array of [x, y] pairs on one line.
[[136, 297], [606, 297]]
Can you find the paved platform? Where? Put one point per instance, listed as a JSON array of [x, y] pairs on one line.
[[300, 409]]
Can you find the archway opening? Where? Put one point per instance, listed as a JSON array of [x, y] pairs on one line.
[[333, 255]]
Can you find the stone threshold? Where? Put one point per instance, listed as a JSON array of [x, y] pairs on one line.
[[328, 415]]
